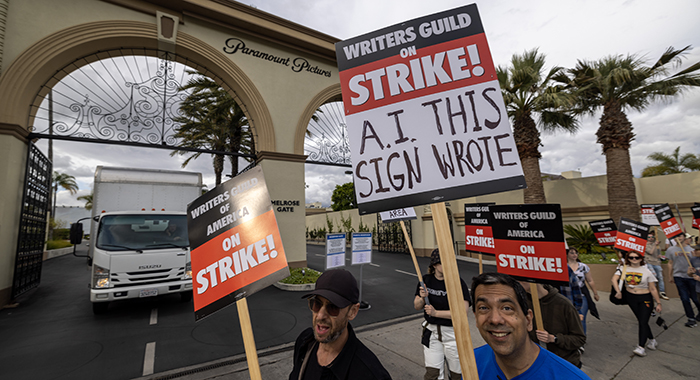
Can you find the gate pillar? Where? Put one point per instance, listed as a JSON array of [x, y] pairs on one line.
[[284, 175], [13, 155]]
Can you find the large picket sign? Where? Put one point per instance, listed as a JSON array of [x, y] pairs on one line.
[[631, 236], [604, 231], [667, 221], [696, 216], [530, 242], [478, 235], [426, 119], [236, 245], [648, 215]]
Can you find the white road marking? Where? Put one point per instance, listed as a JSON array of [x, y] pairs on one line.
[[408, 273], [319, 255], [149, 359], [154, 316], [374, 265]]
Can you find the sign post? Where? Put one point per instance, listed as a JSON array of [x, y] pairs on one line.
[[401, 215], [361, 254], [236, 250]]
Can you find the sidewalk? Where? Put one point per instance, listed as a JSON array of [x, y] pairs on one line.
[[397, 345]]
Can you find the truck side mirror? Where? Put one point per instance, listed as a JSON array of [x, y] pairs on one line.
[[76, 233]]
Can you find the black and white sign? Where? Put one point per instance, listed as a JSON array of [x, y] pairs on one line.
[[361, 248], [398, 215], [426, 119], [335, 250]]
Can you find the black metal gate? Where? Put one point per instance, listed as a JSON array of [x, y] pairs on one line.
[[32, 224], [390, 236]]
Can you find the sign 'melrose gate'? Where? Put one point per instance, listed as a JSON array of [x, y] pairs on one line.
[[426, 119]]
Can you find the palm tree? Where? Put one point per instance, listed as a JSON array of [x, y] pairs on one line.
[[65, 181], [526, 91], [671, 163], [617, 84], [88, 201], [211, 119]]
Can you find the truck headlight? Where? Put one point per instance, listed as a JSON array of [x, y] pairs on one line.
[[100, 277], [188, 270]]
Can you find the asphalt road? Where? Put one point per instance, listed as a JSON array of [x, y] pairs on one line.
[[53, 333]]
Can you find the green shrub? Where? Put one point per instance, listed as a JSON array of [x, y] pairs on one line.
[[56, 244], [61, 234], [302, 276]]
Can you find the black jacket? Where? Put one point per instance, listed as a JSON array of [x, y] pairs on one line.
[[355, 361]]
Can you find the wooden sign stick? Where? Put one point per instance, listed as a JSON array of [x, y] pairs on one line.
[[248, 341], [539, 323], [455, 297], [413, 257], [684, 253], [481, 264]]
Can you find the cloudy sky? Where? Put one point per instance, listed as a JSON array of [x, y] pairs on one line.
[[564, 30]]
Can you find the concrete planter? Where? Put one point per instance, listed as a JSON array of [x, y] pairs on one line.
[[295, 287]]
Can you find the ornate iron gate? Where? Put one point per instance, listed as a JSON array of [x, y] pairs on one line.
[[390, 237], [32, 225]]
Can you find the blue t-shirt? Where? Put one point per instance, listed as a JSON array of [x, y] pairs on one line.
[[546, 366]]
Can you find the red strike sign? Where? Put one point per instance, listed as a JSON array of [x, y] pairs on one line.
[[605, 238], [479, 239], [628, 243]]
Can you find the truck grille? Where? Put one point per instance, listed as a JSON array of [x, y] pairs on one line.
[[146, 277]]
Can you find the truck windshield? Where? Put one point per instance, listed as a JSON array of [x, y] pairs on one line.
[[141, 232]]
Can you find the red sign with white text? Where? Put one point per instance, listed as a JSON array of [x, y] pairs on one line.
[[631, 236], [479, 239], [604, 231]]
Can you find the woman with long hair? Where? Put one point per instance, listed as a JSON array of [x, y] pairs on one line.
[[583, 277], [641, 294], [439, 341]]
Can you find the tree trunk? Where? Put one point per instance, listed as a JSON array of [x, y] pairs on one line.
[[622, 195], [615, 135], [534, 193], [527, 140], [218, 167]]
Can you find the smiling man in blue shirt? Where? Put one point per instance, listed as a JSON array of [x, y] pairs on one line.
[[504, 319]]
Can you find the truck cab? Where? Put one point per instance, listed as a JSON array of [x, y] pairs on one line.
[[138, 255]]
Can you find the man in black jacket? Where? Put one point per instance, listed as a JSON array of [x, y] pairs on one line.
[[330, 349]]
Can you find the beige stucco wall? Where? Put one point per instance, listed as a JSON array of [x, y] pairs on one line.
[[13, 155], [582, 200]]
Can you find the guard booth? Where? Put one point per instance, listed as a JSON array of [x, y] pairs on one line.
[[278, 72]]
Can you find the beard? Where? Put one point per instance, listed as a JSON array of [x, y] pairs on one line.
[[336, 329]]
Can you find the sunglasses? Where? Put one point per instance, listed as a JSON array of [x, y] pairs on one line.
[[634, 258], [315, 305]]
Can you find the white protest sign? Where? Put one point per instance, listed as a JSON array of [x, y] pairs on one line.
[[398, 215], [361, 248], [335, 250], [426, 119]]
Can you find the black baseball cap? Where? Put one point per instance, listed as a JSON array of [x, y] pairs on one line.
[[338, 286]]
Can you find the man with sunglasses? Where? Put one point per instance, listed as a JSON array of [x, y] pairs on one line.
[[330, 349]]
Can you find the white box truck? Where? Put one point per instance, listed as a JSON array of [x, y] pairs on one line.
[[139, 246]]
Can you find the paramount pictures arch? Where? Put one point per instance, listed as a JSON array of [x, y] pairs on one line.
[[278, 101]]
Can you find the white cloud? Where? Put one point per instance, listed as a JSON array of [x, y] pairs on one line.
[[564, 30]]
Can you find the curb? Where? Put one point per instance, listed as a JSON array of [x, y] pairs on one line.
[[294, 287]]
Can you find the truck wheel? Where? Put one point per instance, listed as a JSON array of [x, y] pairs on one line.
[[186, 296], [100, 307]]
